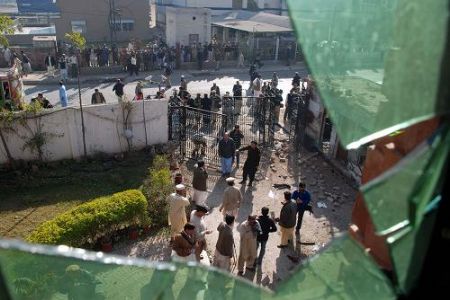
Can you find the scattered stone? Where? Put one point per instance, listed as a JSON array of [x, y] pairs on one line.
[[331, 199], [285, 177], [274, 169], [345, 195], [336, 188], [313, 183], [282, 159]]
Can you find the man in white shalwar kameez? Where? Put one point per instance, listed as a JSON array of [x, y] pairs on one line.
[[177, 210]]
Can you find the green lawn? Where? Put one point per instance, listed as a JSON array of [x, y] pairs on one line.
[[30, 198]]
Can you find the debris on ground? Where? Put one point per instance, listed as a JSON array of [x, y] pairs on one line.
[[281, 186], [321, 205]]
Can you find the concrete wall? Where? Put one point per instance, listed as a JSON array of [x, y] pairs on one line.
[[181, 22], [104, 131], [204, 3], [96, 13]]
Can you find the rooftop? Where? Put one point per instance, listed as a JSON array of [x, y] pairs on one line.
[[253, 21]]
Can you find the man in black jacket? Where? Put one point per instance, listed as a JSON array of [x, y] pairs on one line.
[[226, 153], [267, 226], [252, 162], [118, 89], [287, 220], [237, 136]]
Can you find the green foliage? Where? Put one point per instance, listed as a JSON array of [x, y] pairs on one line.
[[76, 39], [6, 27], [92, 220], [156, 188]]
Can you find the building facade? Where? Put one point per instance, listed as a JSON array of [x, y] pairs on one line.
[[187, 26], [105, 21]]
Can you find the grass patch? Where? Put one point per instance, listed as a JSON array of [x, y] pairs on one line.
[[30, 198]]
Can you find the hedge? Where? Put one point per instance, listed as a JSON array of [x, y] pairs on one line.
[[156, 188], [92, 220]]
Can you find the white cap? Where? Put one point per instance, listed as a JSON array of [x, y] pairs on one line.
[[230, 179], [182, 76], [180, 187]]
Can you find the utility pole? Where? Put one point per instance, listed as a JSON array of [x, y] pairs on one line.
[[112, 21]]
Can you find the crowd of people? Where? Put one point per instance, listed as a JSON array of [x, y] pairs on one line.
[[188, 236]]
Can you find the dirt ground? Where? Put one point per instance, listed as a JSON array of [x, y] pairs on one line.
[[326, 186]]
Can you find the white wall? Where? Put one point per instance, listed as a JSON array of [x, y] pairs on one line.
[[180, 23], [104, 131], [204, 3]]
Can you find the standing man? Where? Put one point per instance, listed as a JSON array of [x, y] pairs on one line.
[[302, 197], [63, 67], [226, 153], [274, 80], [252, 73], [50, 63], [215, 88], [183, 84], [26, 64], [177, 210], [133, 67], [97, 97], [257, 85], [287, 220], [225, 244], [62, 94], [249, 230], [251, 163], [232, 199], [73, 66], [206, 105], [237, 137], [198, 220], [199, 183], [296, 79], [139, 91], [267, 226], [215, 101], [228, 108], [7, 55], [118, 89], [237, 94]]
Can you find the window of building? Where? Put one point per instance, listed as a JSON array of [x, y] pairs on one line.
[[124, 25], [127, 25], [79, 26]]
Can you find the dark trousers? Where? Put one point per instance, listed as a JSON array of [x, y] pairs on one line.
[[300, 214], [249, 172], [261, 252], [237, 157]]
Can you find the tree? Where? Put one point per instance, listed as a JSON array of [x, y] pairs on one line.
[[6, 27], [79, 42], [76, 39]]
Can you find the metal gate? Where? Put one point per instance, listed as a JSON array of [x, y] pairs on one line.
[[198, 131], [296, 118], [254, 117]]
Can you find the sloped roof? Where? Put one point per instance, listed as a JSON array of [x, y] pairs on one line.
[[252, 21], [37, 6], [8, 7]]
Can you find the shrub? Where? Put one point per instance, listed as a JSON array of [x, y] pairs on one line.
[[92, 220], [156, 188]]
